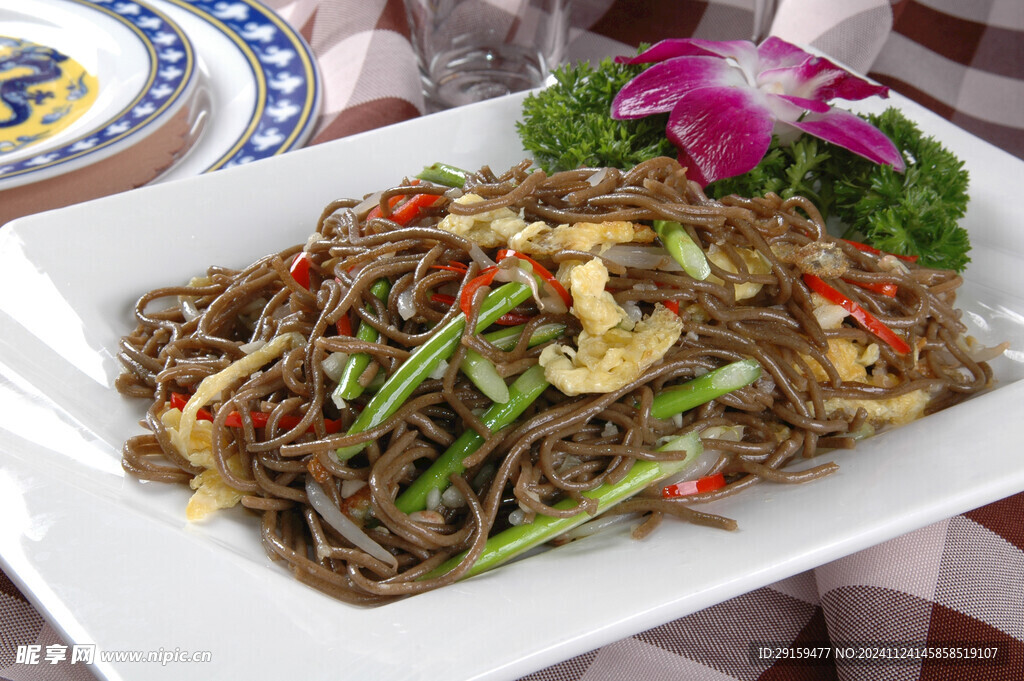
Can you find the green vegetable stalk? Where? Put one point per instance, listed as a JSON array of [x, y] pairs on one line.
[[348, 386], [715, 383], [512, 542], [482, 372], [531, 384], [442, 173], [682, 248], [422, 362], [515, 540], [523, 392]]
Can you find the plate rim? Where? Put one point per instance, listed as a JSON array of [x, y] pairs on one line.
[[298, 133], [24, 171], [503, 667]]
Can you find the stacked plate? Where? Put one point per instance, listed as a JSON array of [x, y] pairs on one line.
[[100, 96]]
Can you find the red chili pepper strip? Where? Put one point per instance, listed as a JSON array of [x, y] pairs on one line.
[[863, 317], [403, 214], [412, 208], [343, 325], [874, 251], [512, 319], [259, 418], [708, 483], [454, 266], [507, 319], [485, 278], [885, 288], [672, 305], [540, 271], [178, 401], [376, 212], [299, 268], [393, 201]]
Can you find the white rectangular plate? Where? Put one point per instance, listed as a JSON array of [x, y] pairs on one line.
[[111, 561]]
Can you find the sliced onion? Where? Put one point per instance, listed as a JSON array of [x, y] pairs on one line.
[[598, 177], [367, 204], [433, 499], [981, 353], [438, 373], [188, 308], [598, 524], [334, 517], [406, 304], [642, 257], [696, 470], [334, 365], [453, 498], [633, 311], [249, 348], [517, 517], [427, 516], [479, 257], [350, 487], [547, 299], [830, 316]]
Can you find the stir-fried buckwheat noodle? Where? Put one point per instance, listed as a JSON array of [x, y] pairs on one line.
[[561, 446]]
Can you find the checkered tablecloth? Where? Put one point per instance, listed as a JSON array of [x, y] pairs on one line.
[[953, 585]]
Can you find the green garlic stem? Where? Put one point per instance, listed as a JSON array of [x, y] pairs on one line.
[[715, 383], [683, 249], [348, 387], [512, 542], [523, 392], [425, 359]]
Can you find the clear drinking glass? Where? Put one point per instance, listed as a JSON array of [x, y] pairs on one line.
[[471, 50]]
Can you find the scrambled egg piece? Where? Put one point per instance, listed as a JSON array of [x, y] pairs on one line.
[[895, 411], [852, 360], [606, 362], [504, 227], [541, 239], [211, 491], [591, 304], [211, 494], [755, 262], [491, 229]]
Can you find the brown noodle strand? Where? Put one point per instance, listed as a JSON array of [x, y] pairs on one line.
[[269, 430]]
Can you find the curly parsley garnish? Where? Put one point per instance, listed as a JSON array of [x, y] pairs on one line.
[[569, 125]]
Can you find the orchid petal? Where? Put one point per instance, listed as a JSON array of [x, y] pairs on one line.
[[852, 132], [658, 88], [743, 51], [774, 53], [667, 49], [784, 109], [818, 78], [720, 131], [806, 104]]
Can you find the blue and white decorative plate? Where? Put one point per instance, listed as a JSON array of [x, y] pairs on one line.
[[260, 77], [143, 64]]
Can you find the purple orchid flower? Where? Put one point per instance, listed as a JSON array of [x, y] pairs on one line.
[[726, 99]]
